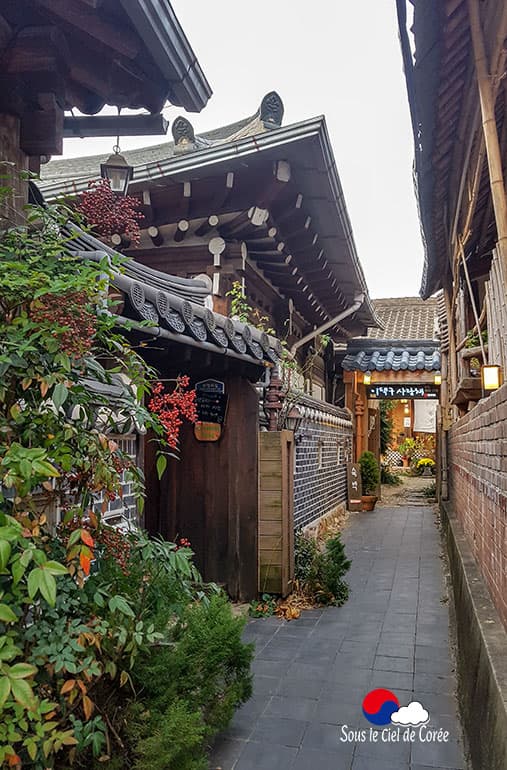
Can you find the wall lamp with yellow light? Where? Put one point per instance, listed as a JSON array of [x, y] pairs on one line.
[[367, 378], [437, 379], [491, 377]]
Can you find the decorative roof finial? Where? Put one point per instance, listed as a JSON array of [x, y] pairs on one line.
[[183, 134], [271, 111]]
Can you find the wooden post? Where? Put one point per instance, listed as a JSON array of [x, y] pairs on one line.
[[487, 102]]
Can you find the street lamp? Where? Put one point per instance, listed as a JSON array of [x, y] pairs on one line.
[[118, 171]]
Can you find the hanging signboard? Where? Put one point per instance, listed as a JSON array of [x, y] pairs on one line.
[[391, 390], [211, 401], [354, 487], [207, 431]]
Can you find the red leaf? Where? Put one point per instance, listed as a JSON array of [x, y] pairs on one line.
[[85, 562], [87, 538]]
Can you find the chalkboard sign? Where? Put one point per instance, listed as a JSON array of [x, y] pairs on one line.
[[211, 401]]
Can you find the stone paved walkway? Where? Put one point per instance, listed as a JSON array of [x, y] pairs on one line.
[[311, 675]]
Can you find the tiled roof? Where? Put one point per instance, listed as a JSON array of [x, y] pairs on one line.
[[408, 341], [87, 168], [393, 359], [177, 309], [406, 318]]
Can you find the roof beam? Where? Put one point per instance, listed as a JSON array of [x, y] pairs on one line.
[[114, 125]]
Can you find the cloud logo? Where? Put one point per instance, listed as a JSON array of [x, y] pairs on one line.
[[414, 714]]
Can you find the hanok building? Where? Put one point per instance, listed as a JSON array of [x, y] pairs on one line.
[[259, 204], [63, 54], [399, 362]]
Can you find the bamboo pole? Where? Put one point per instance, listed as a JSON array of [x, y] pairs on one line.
[[487, 102]]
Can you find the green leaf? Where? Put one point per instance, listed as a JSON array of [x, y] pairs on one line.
[[17, 570], [34, 581], [55, 568], [5, 688], [5, 552], [7, 615], [47, 587], [60, 393], [22, 671], [121, 604], [44, 468], [23, 693], [161, 465]]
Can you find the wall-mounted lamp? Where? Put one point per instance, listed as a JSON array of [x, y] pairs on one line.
[[491, 377], [293, 421], [437, 379], [406, 409], [366, 378]]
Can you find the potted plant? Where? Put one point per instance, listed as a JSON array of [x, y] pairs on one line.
[[407, 450], [370, 476]]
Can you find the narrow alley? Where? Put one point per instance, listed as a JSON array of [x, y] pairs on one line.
[[311, 675]]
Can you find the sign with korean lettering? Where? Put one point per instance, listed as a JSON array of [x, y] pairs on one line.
[[354, 487], [211, 401], [392, 390]]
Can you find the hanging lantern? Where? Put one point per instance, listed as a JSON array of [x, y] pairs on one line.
[[118, 171], [367, 378], [437, 378]]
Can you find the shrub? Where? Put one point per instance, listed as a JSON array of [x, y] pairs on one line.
[[305, 554], [331, 567], [388, 477], [369, 473], [193, 683]]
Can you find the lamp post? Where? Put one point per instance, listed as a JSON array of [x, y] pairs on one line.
[[118, 171]]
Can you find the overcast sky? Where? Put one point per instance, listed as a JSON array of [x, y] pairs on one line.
[[333, 57]]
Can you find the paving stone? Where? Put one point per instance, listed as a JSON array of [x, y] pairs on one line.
[[293, 707], [392, 663], [365, 763], [435, 683], [265, 756], [327, 738], [225, 753], [316, 759], [448, 755], [279, 731]]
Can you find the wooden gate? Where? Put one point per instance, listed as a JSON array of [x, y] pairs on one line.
[[276, 512]]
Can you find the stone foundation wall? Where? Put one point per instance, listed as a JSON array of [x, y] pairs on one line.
[[477, 446], [323, 449]]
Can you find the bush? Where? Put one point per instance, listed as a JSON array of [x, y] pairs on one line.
[[388, 477], [305, 554], [321, 571], [369, 473], [424, 462], [332, 566], [190, 686]]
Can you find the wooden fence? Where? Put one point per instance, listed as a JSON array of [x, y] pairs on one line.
[[276, 512]]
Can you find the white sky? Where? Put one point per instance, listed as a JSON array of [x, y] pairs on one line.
[[340, 58]]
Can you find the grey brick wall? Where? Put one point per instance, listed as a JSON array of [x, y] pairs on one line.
[[323, 448]]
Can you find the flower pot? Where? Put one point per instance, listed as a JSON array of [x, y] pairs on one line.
[[368, 502], [427, 471], [406, 462]]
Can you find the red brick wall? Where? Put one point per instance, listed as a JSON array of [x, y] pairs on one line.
[[478, 489]]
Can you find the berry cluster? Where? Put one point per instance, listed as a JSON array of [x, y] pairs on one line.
[[182, 542], [68, 318], [109, 214], [116, 546], [170, 408]]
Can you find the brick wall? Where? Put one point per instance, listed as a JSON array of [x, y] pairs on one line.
[[478, 488], [323, 448]]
